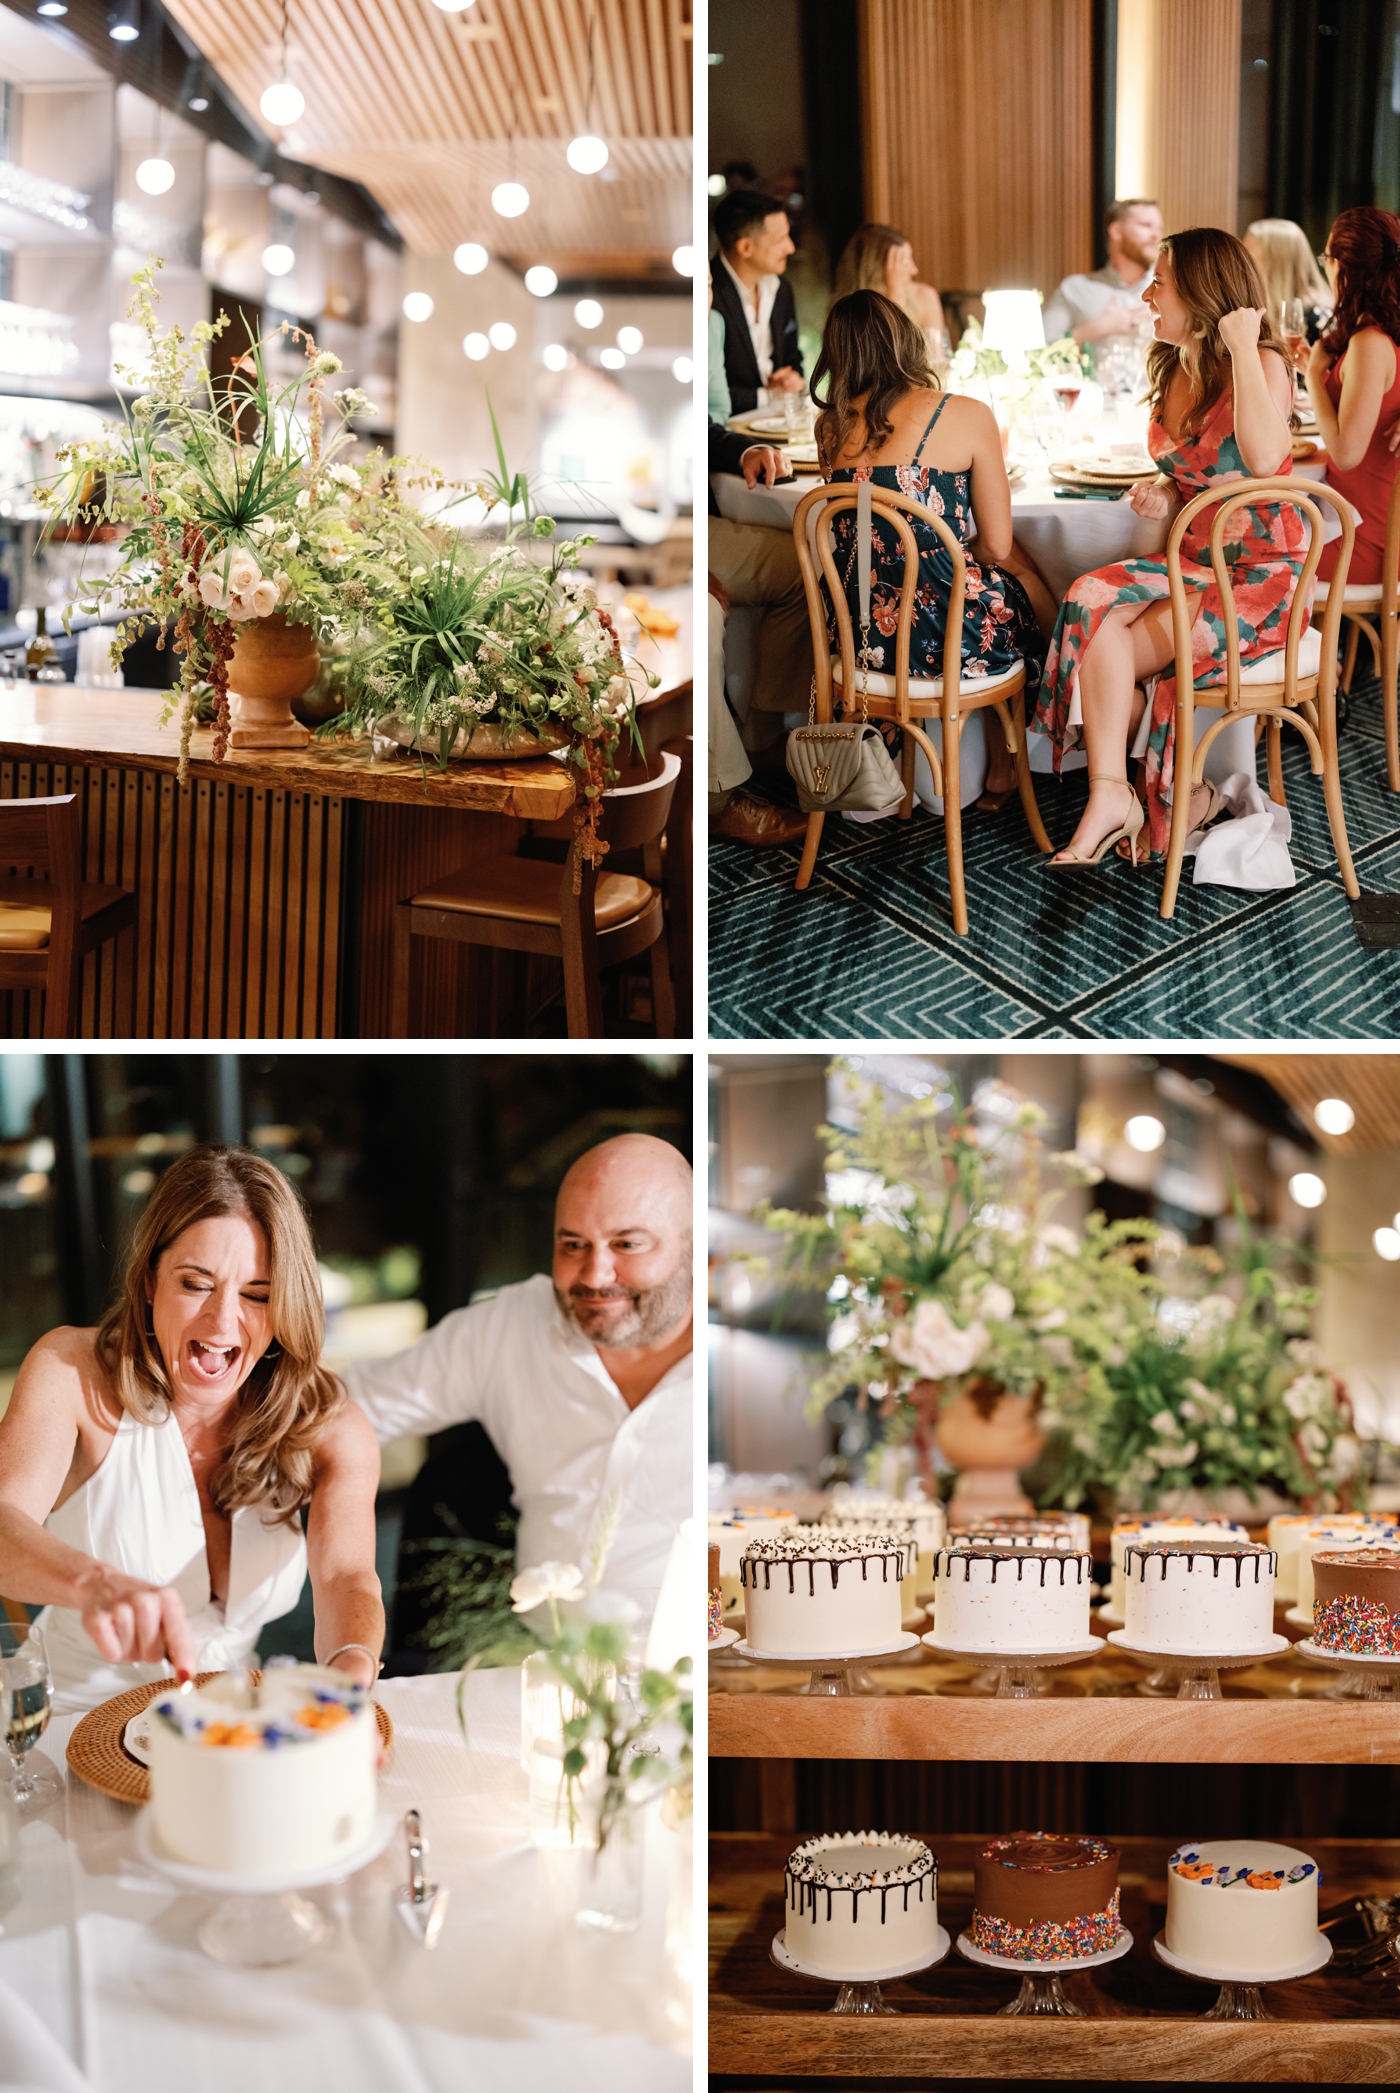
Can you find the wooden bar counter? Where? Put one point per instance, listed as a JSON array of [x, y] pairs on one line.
[[266, 883]]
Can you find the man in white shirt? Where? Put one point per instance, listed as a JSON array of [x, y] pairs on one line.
[[1109, 301], [757, 305], [583, 1381]]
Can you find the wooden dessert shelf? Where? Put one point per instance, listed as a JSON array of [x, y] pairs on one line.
[[927, 1708], [769, 2029]]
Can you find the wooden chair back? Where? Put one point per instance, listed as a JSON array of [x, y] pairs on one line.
[[635, 815], [44, 837], [823, 505]]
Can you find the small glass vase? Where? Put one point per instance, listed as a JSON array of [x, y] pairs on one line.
[[610, 1894]]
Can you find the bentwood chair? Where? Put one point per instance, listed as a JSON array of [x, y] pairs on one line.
[[1304, 696], [50, 919], [1373, 607], [571, 912], [905, 699]]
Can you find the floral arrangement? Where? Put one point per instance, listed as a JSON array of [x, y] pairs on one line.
[[1026, 368]]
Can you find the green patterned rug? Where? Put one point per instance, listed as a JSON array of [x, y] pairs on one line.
[[869, 951]]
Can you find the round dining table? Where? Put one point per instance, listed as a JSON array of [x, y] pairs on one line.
[[103, 1985]]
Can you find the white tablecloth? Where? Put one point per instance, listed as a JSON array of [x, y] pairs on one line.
[[516, 1998]]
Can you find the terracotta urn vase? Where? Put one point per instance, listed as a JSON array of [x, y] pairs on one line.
[[273, 662], [989, 1436]]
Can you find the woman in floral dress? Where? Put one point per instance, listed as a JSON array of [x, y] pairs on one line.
[[1221, 395], [885, 419]]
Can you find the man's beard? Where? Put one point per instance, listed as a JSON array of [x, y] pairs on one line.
[[1141, 257], [656, 1311]]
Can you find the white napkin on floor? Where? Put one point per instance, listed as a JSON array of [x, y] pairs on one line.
[[31, 2060], [1250, 850]]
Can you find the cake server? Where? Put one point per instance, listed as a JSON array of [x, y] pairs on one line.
[[422, 1905]]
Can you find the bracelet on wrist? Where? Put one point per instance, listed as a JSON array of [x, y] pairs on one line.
[[364, 1650]]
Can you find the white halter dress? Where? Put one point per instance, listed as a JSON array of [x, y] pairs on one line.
[[140, 1514]]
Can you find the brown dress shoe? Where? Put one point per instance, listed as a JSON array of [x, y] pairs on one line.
[[749, 819]]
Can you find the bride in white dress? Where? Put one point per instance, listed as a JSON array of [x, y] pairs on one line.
[[154, 1471]]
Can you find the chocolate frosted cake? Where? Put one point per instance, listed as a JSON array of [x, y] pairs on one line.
[[1200, 1598], [1356, 1602], [716, 1622], [1041, 1897], [816, 1592], [993, 1595], [860, 1901]]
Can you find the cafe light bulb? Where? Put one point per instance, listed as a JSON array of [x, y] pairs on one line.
[[540, 281], [509, 199], [683, 261], [612, 359], [1334, 1115], [588, 312], [1387, 1244], [278, 260], [418, 306], [502, 335], [155, 177], [283, 104], [683, 370], [556, 357], [629, 339], [1144, 1133], [586, 154], [476, 346], [1304, 1189], [454, 7], [470, 258]]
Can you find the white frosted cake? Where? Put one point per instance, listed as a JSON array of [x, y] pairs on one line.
[[1242, 1907], [1126, 1531], [818, 1593], [731, 1533], [991, 1597], [1034, 1530], [917, 1517], [264, 1781], [1327, 1537], [1202, 1598], [860, 1901], [1285, 1534]]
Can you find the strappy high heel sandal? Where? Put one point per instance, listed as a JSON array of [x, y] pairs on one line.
[[1128, 833], [1215, 807]]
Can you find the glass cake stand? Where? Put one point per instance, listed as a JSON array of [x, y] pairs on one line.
[[1198, 1673], [256, 1928], [834, 1671], [1041, 1992], [1018, 1674], [1367, 1678], [1239, 1997], [860, 1994]]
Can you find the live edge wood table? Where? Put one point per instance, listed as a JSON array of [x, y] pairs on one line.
[[771, 2030], [266, 883]]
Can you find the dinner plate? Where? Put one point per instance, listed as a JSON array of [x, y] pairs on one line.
[[767, 424]]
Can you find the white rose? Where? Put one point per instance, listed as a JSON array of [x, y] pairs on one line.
[[998, 1302], [264, 526], [264, 598], [240, 609], [212, 590], [933, 1344], [1164, 1422], [303, 500], [244, 573], [547, 1580]]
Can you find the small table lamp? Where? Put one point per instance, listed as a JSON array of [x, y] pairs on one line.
[[1013, 320]]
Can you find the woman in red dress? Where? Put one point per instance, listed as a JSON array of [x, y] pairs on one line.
[[1353, 376]]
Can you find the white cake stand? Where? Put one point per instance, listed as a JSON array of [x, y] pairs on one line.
[[725, 1640], [1370, 1678], [256, 1928], [1199, 1672], [1239, 1995], [1040, 1991], [1018, 1674], [860, 1994], [833, 1671]]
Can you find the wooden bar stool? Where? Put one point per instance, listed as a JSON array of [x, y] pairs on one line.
[[1373, 607], [49, 918], [520, 904], [680, 884]]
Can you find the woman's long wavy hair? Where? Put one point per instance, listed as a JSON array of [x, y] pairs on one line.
[[1214, 273], [1365, 244], [865, 258], [871, 352], [289, 1398], [1286, 263]]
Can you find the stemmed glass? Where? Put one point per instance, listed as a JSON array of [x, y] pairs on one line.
[[26, 1700], [1295, 334]]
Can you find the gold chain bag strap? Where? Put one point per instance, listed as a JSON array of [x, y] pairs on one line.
[[844, 763]]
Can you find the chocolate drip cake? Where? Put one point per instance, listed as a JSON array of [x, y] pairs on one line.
[[1356, 1602], [990, 1596], [1200, 1598], [1128, 1531], [818, 1593], [861, 1901], [1040, 1897]]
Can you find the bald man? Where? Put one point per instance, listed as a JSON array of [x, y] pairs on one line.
[[582, 1380]]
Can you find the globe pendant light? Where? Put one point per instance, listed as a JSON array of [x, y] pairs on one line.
[[156, 174], [509, 199], [282, 104], [586, 154], [471, 258]]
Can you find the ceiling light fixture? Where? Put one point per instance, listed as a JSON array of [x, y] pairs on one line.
[[509, 199], [556, 357], [123, 26], [629, 339], [588, 153], [418, 306], [470, 258], [52, 7], [1144, 1133], [454, 7], [683, 370], [476, 346], [540, 281], [278, 260], [155, 176], [683, 261], [1334, 1115], [282, 104], [1305, 1189], [588, 313], [502, 335], [1387, 1244], [612, 359]]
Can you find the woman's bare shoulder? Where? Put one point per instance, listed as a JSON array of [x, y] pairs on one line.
[[348, 1442], [63, 1372]]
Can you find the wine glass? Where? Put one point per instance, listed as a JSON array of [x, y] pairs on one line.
[[26, 1701], [1295, 334]]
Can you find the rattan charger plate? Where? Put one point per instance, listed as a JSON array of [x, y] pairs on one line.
[[98, 1755]]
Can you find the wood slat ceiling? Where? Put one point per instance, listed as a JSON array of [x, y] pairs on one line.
[[431, 110], [1370, 1084]]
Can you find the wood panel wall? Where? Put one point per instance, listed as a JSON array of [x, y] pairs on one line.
[[978, 136], [238, 935], [1178, 128]]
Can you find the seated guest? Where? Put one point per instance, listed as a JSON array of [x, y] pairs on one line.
[[877, 258], [153, 1471], [1221, 395], [753, 565], [1109, 301], [756, 306], [1288, 269], [1353, 378], [582, 1379], [885, 419], [720, 405]]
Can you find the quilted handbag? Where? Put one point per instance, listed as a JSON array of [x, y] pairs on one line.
[[841, 764]]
